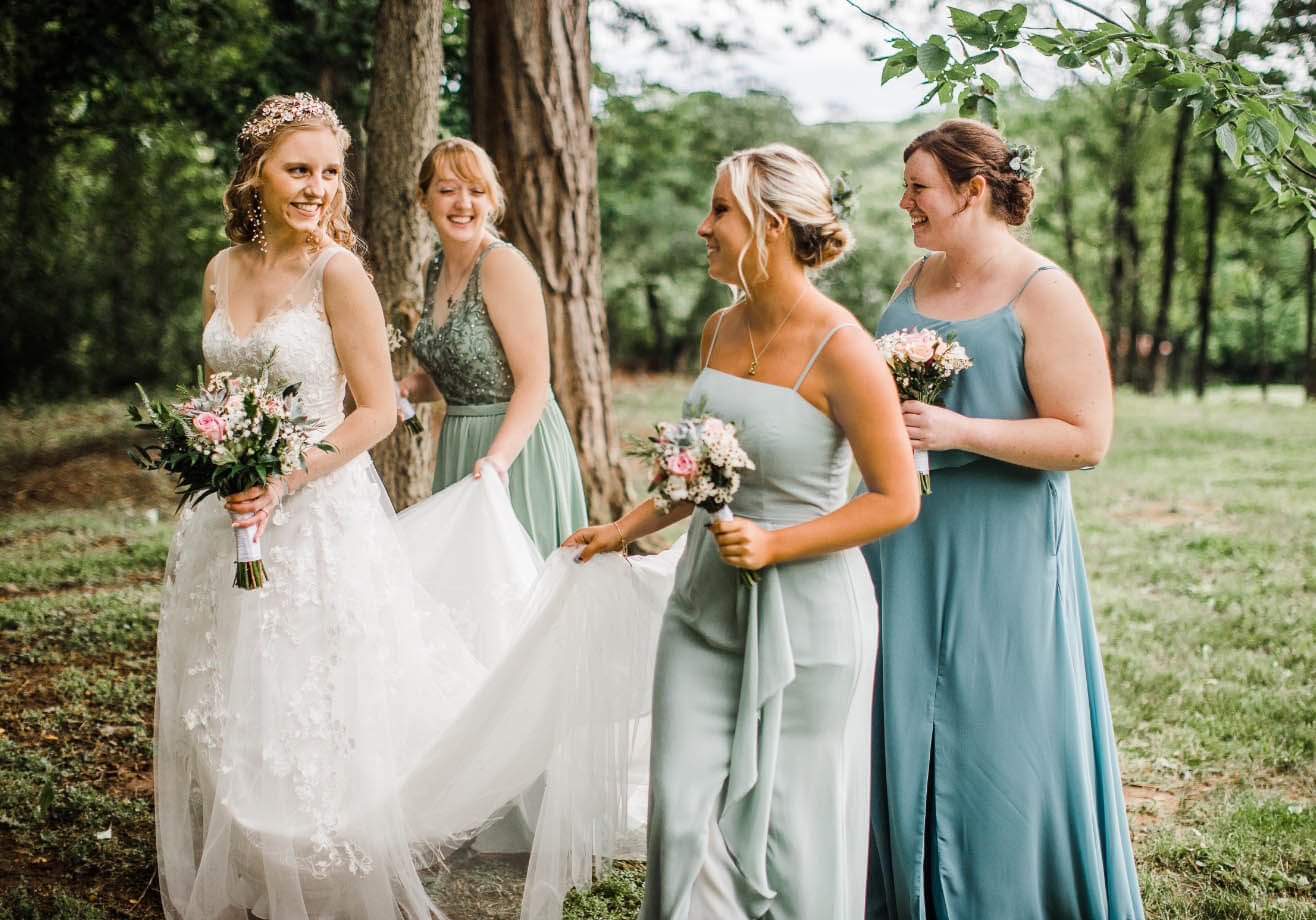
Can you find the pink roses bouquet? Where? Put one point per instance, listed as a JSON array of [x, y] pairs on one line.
[[923, 364], [230, 435], [696, 460]]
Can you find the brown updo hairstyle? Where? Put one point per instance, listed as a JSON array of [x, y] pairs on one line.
[[967, 148], [780, 182], [254, 146], [469, 162]]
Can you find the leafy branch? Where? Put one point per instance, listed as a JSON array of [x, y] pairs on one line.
[[1265, 130]]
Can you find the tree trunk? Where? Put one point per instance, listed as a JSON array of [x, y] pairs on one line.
[[402, 123], [530, 78], [1169, 243], [1309, 356], [1066, 204], [661, 357], [1124, 309], [1213, 191]]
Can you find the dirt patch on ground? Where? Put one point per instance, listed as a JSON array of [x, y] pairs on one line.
[[1148, 805], [87, 474], [1172, 514]]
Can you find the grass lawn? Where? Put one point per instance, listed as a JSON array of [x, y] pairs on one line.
[[1200, 537]]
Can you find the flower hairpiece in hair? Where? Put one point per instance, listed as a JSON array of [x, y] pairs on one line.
[[845, 197], [285, 111], [1023, 160]]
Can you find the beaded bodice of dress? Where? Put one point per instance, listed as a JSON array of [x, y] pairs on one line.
[[296, 333], [463, 355]]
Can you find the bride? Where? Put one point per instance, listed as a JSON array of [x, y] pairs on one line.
[[320, 738]]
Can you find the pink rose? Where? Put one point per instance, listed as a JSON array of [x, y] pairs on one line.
[[919, 350], [681, 464], [210, 425], [713, 426]]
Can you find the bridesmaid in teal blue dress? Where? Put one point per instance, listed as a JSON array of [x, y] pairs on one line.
[[482, 341], [996, 785], [759, 771]]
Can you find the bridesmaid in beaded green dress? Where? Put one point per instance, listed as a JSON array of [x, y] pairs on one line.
[[482, 341], [996, 785], [761, 700]]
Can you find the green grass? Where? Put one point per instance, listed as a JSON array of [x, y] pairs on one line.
[[1199, 532]]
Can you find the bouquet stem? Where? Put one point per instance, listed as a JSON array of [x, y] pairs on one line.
[[924, 472], [250, 570], [748, 577]]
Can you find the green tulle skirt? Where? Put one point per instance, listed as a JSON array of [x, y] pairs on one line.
[[544, 481]]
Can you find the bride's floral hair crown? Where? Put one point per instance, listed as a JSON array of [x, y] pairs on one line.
[[281, 111]]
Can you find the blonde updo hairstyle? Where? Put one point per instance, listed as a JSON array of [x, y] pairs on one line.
[[468, 161], [778, 182], [261, 132], [967, 148]]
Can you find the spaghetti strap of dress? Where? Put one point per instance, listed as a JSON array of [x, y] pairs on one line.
[[817, 351], [721, 315], [1027, 281]]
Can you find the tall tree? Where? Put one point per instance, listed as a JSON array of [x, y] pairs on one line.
[[402, 122], [1169, 251], [1213, 192], [530, 77]]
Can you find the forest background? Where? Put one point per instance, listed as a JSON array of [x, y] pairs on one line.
[[116, 132]]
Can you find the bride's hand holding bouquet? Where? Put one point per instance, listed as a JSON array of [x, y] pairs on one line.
[[238, 437]]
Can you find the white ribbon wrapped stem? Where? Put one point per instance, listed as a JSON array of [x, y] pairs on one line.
[[248, 548]]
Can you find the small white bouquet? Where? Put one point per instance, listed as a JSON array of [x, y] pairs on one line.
[[923, 364], [696, 460]]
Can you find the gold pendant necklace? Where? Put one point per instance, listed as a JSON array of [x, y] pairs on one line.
[[754, 362]]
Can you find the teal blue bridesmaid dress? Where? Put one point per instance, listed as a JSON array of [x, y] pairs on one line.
[[996, 787], [466, 360], [761, 706]]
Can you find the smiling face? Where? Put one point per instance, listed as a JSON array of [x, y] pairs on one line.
[[934, 205], [727, 234], [458, 208], [300, 180]]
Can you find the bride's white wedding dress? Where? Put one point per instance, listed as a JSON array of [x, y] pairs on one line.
[[320, 738]]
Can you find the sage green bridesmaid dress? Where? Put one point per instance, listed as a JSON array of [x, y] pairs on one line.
[[468, 364], [760, 756], [996, 785]]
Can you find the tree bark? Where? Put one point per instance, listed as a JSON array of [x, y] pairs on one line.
[[1066, 204], [1169, 244], [530, 77], [402, 123], [1213, 192]]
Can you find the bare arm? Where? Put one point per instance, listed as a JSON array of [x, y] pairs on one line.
[[515, 302], [357, 321], [644, 519], [208, 300], [1065, 363], [863, 401]]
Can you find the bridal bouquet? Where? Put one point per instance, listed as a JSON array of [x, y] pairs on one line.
[[397, 339], [231, 434], [923, 364], [695, 460]]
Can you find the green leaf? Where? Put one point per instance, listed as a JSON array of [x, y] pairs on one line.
[[1162, 97], [896, 66], [1014, 65], [1263, 134], [1071, 60], [945, 92], [986, 111], [1184, 80], [969, 104], [1045, 44], [932, 58], [989, 83], [993, 15], [1285, 129], [1311, 228], [1308, 151], [963, 20], [983, 58], [1014, 19], [1224, 136]]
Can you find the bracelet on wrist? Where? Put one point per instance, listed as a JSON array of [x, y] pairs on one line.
[[620, 536]]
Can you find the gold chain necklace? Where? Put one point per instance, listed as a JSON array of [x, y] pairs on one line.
[[466, 276], [754, 364], [981, 265]]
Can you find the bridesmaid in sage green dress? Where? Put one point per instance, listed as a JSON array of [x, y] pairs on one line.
[[996, 785], [482, 341], [761, 701]]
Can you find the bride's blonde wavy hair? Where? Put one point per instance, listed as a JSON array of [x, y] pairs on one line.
[[778, 182], [261, 132]]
